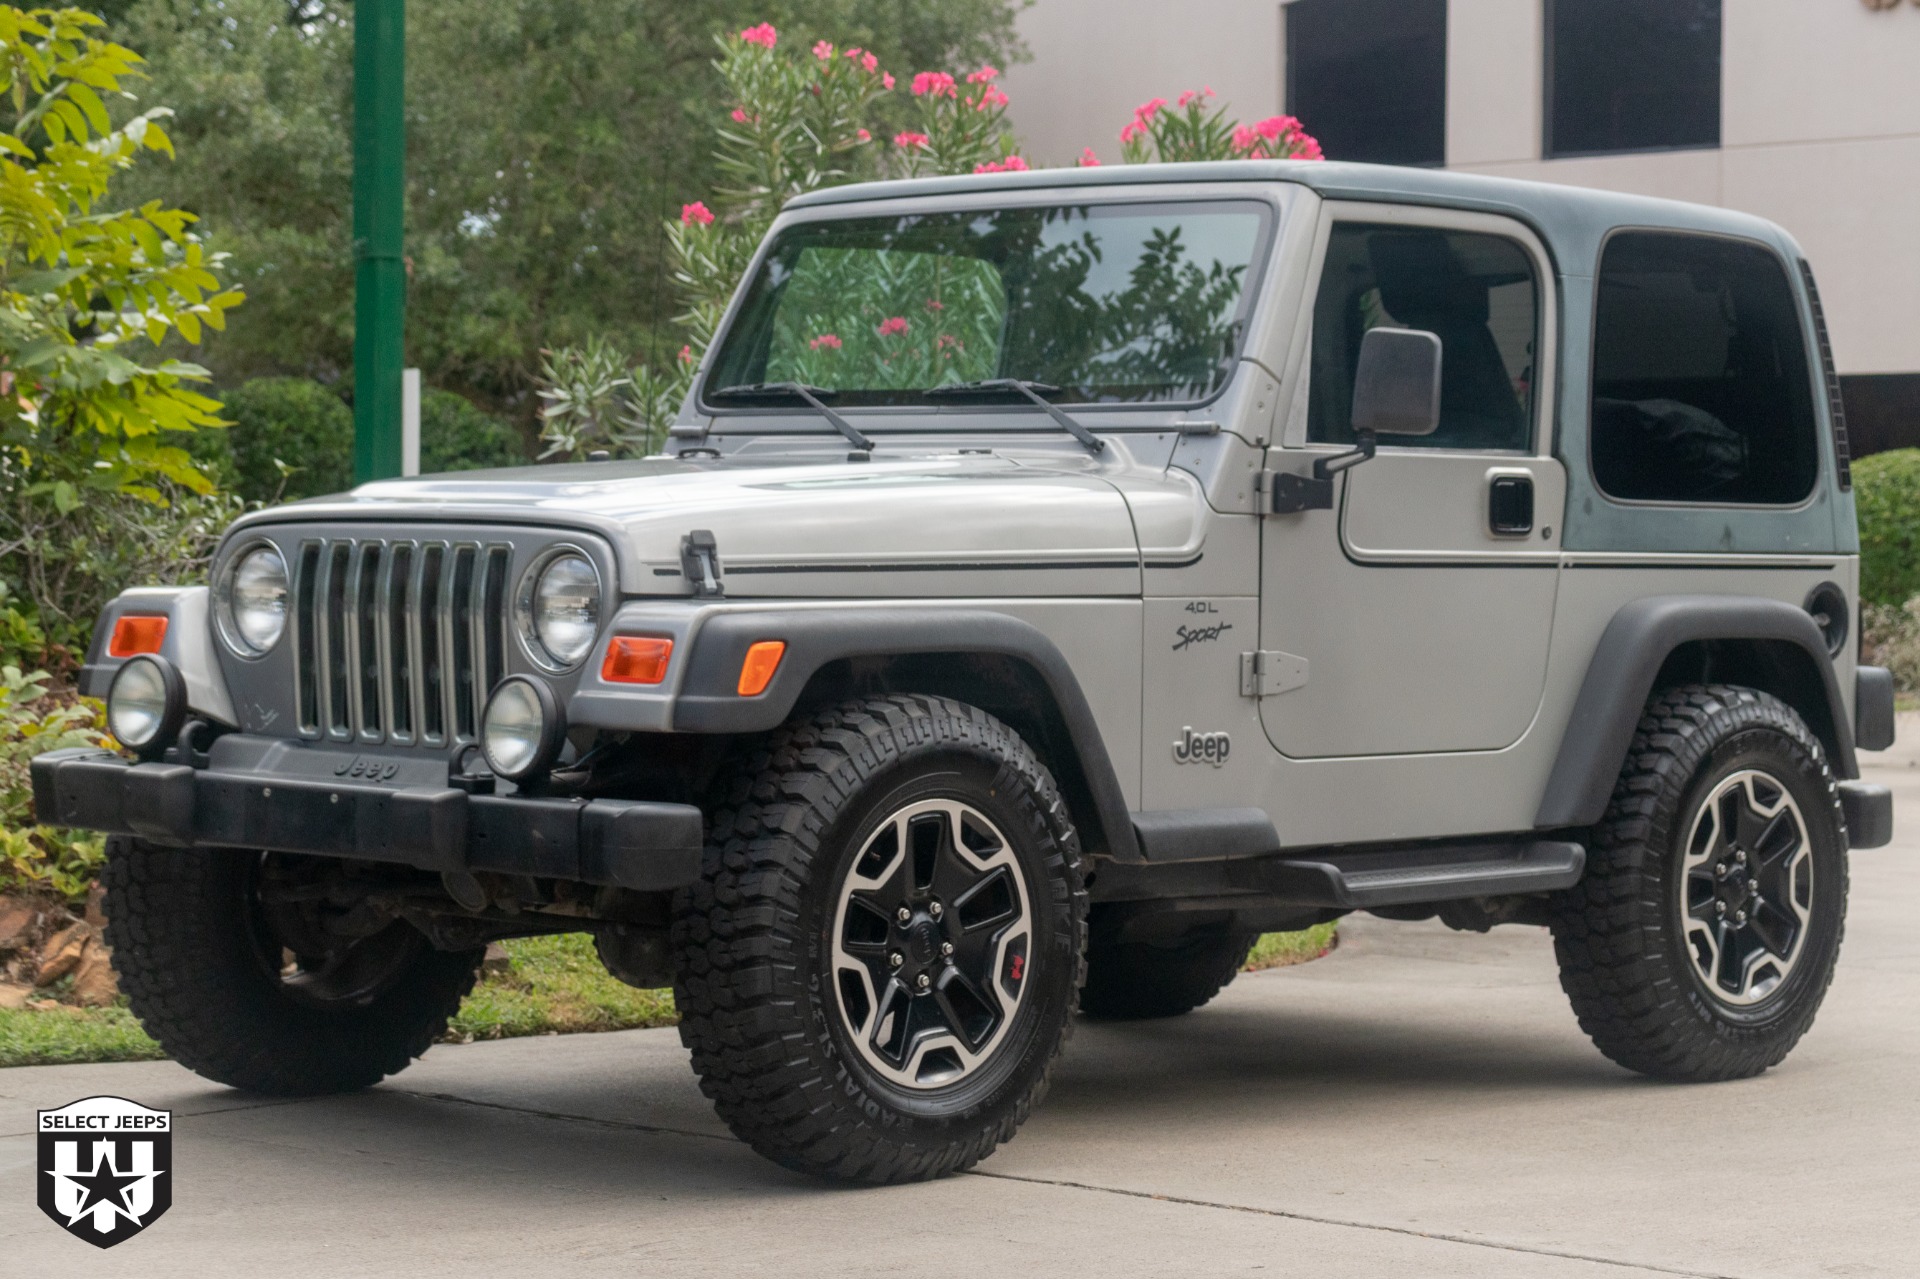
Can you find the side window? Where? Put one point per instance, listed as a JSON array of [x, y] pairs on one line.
[[1701, 388], [1476, 291]]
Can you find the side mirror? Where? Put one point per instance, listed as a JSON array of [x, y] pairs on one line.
[[1396, 388], [1396, 391]]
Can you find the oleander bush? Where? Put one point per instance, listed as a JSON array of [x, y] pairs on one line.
[[1886, 492]]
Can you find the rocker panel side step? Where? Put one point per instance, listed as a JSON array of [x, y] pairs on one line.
[[1405, 877]]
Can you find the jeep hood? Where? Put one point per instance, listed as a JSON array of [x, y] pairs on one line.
[[938, 525]]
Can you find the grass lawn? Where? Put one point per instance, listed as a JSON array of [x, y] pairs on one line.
[[554, 985]]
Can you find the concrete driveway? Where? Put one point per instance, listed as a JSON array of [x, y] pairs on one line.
[[1420, 1103]]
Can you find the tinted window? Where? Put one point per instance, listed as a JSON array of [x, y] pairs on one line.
[[1701, 390], [1120, 302], [1632, 75], [1368, 78], [1477, 292]]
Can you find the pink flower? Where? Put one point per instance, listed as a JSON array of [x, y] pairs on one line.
[[686, 355], [829, 341], [935, 304], [1244, 139], [1088, 160], [867, 61], [1132, 131], [886, 80], [909, 140], [1148, 109], [1273, 126], [937, 83], [763, 35], [948, 343], [822, 50], [695, 212], [739, 115], [1193, 95], [984, 75], [1012, 164], [895, 324], [992, 98], [864, 136]]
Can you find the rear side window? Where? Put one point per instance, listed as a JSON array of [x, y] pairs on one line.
[[1701, 388]]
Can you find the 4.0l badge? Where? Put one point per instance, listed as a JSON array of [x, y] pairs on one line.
[[1201, 748]]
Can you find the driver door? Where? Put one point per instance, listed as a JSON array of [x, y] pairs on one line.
[[1422, 603]]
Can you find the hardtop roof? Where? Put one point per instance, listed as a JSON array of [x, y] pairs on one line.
[[1573, 220]]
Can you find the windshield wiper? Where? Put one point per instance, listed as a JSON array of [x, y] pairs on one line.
[[810, 394], [1033, 391]]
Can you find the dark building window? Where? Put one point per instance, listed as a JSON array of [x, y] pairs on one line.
[[1368, 78], [1883, 411], [1701, 388], [1632, 75]]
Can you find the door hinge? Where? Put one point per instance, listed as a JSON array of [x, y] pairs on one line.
[[1268, 673], [1285, 493]]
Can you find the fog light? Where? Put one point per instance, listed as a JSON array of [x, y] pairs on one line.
[[146, 704], [522, 731]]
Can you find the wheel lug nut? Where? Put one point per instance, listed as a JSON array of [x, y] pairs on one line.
[[1719, 908], [903, 915], [946, 948], [923, 981], [895, 959], [1720, 871], [934, 909], [1741, 856], [1739, 918]]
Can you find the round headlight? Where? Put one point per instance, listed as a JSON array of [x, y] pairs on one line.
[[522, 730], [146, 703], [253, 601], [563, 614]]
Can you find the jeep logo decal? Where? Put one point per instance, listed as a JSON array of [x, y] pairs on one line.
[[1201, 748], [372, 770]]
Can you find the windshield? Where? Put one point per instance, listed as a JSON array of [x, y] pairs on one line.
[[1118, 303]]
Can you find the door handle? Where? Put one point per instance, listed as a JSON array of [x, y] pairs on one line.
[[1510, 505]]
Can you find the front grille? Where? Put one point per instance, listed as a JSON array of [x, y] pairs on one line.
[[398, 642]]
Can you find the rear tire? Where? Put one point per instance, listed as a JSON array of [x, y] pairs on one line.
[[203, 962], [1703, 937], [1133, 981], [878, 966]]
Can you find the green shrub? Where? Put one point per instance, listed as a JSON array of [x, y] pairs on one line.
[[291, 437], [456, 436], [1886, 489], [42, 860]]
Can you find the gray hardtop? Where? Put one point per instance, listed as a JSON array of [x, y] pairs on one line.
[[1573, 221]]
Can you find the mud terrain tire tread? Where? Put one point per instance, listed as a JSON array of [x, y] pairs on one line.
[[183, 957], [1611, 932], [1134, 981], [760, 1043]]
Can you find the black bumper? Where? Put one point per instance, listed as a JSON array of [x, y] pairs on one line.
[[297, 801]]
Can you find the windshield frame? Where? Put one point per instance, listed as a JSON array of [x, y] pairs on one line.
[[1262, 189]]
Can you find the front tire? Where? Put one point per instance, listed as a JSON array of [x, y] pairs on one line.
[[878, 967], [1701, 942], [252, 989], [1135, 981]]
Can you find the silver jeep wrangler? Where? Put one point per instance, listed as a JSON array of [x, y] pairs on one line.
[[1054, 581]]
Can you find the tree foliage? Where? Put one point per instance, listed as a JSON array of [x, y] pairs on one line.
[[547, 142]]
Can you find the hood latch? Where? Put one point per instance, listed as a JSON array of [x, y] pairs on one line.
[[700, 562]]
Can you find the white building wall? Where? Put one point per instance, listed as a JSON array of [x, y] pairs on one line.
[[1820, 122]]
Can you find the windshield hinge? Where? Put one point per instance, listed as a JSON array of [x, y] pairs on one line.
[[700, 562], [1288, 494], [1267, 674]]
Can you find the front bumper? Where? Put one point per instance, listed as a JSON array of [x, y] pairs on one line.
[[282, 797]]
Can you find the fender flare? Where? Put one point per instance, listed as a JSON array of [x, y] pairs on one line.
[[1620, 676], [708, 701]]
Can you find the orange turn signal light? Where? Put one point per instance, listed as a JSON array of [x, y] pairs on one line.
[[134, 635], [636, 659], [756, 672]]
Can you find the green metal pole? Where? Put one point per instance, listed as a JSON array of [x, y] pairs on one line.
[[379, 206]]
